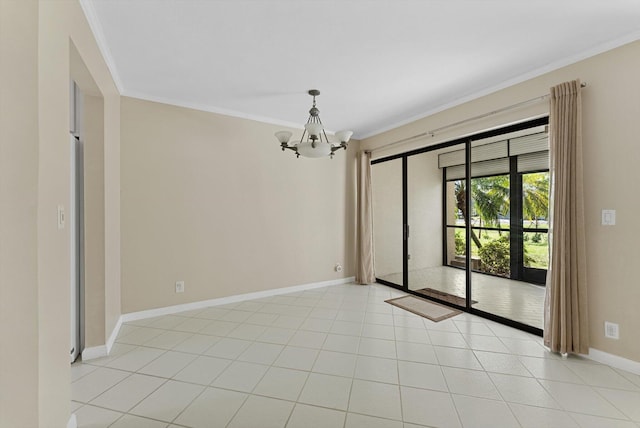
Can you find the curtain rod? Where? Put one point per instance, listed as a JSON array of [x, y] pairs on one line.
[[433, 132]]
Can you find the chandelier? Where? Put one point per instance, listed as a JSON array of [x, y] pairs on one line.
[[316, 144]]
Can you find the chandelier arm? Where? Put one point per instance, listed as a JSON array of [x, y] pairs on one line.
[[325, 136], [342, 145], [323, 131]]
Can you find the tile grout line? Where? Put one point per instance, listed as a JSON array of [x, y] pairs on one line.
[[398, 369]]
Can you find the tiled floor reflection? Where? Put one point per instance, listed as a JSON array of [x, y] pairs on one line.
[[340, 357], [515, 300]]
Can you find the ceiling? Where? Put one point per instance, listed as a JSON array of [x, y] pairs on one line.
[[377, 63]]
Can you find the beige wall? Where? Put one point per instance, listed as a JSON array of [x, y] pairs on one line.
[[213, 201], [18, 232], [611, 109], [94, 260], [36, 39]]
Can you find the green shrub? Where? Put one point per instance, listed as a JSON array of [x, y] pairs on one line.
[[494, 257], [461, 248]]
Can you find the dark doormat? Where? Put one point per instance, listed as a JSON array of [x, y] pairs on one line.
[[445, 297]]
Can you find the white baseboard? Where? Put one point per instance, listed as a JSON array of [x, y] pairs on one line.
[[73, 422], [104, 350], [614, 361], [150, 313], [114, 334], [94, 352]]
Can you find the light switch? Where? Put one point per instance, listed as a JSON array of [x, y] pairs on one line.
[[608, 217], [61, 219]]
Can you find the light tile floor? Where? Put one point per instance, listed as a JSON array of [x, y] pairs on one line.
[[340, 357], [515, 300]]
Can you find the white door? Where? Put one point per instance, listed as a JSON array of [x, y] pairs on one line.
[[75, 221], [72, 220]]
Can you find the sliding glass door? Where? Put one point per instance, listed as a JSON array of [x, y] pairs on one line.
[[408, 226], [465, 222]]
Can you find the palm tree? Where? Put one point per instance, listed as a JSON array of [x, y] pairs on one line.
[[461, 204], [491, 198], [535, 196]]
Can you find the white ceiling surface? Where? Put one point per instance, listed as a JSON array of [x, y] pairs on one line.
[[378, 64]]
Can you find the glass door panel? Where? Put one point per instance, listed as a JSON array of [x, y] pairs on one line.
[[535, 237], [388, 239], [490, 230], [456, 244], [490, 246], [499, 246], [432, 251]]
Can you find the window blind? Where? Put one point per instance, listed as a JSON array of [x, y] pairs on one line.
[[532, 152], [529, 144], [481, 153], [479, 169], [538, 161]]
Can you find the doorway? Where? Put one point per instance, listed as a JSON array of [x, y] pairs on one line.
[[76, 222]]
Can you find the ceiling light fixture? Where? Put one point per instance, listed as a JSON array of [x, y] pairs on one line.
[[317, 144]]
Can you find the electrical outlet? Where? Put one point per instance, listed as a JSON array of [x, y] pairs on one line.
[[611, 330], [608, 217], [179, 286]]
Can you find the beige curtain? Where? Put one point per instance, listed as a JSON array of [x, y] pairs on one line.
[[364, 222], [566, 323]]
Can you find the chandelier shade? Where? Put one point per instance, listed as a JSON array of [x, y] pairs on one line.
[[283, 136], [321, 149], [314, 129], [316, 144]]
